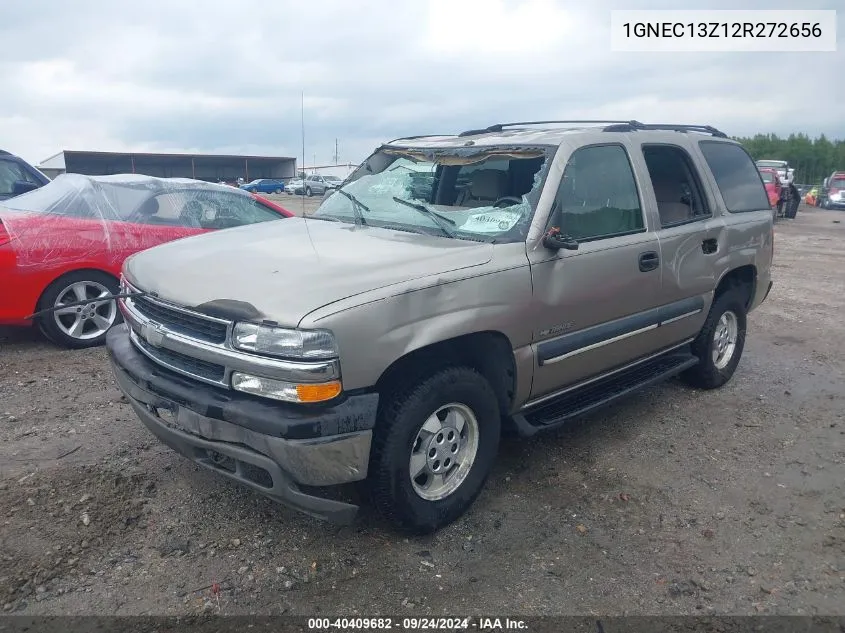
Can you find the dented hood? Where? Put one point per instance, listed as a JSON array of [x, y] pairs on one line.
[[287, 268]]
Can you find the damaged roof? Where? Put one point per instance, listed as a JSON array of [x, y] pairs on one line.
[[534, 134]]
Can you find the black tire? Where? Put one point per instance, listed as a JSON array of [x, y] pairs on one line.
[[401, 416], [277, 191], [308, 192], [47, 323], [706, 374]]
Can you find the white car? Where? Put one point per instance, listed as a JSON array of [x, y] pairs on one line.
[[292, 186]]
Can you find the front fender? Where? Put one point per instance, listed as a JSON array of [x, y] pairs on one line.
[[373, 335]]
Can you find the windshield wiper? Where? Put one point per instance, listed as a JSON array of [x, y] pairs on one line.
[[357, 205], [439, 220]]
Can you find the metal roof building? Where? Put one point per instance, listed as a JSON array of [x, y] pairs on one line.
[[199, 166]]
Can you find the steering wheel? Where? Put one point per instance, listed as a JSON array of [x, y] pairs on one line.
[[510, 200]]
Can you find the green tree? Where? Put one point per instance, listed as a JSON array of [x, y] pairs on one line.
[[813, 159]]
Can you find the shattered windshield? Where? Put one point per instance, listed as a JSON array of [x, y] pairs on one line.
[[489, 195]]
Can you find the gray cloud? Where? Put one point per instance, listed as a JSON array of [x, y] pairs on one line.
[[201, 76]]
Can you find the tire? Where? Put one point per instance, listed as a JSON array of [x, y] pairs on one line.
[[710, 374], [308, 192], [398, 434], [66, 289], [277, 191]]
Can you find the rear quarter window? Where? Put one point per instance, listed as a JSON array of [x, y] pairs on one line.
[[736, 176]]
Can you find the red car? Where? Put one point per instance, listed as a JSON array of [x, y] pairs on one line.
[[65, 243], [772, 183]]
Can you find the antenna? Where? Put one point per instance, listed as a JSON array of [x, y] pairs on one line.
[[303, 149]]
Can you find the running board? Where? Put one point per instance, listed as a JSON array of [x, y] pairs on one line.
[[555, 412]]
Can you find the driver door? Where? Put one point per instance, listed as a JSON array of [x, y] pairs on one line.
[[595, 307]]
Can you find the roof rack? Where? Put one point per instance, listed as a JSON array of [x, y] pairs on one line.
[[498, 127], [411, 138], [610, 126], [633, 126]]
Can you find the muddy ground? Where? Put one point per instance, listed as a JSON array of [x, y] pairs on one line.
[[675, 501]]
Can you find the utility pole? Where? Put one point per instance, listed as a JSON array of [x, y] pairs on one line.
[[303, 134], [335, 152]]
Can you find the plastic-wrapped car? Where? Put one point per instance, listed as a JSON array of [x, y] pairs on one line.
[[63, 244]]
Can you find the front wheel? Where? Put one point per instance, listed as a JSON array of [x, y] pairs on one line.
[[277, 191], [308, 192], [720, 342], [433, 448], [84, 325]]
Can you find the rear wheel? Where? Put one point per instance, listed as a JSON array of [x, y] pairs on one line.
[[720, 342], [79, 326], [308, 192], [433, 448]]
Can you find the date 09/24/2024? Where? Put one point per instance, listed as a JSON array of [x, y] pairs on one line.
[[416, 624]]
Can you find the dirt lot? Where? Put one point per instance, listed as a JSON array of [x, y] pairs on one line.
[[676, 501], [300, 205]]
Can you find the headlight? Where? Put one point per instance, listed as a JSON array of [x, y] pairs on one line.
[[283, 342], [285, 391]]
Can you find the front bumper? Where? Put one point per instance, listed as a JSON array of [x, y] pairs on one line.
[[270, 447]]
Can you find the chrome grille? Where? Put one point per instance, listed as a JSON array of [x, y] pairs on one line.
[[182, 363], [187, 323]]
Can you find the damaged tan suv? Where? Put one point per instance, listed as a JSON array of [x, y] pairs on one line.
[[453, 288]]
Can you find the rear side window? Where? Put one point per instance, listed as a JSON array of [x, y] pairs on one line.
[[736, 176]]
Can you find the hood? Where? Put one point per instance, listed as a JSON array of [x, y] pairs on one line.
[[285, 269]]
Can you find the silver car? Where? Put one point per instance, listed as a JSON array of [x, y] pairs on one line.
[[318, 185], [455, 287]]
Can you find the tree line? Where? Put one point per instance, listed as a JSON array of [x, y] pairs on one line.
[[813, 159]]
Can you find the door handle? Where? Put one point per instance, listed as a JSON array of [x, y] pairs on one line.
[[710, 245], [649, 261]]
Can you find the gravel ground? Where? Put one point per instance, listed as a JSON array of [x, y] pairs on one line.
[[675, 501]]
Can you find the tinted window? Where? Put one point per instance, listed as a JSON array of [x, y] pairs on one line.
[[676, 184], [597, 196], [736, 176]]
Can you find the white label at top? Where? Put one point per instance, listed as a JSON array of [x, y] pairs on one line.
[[795, 30]]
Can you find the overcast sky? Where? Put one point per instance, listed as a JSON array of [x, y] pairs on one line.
[[227, 76]]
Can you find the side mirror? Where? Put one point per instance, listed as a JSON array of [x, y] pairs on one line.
[[557, 241], [23, 186]]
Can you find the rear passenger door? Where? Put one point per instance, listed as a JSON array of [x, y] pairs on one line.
[[691, 236], [594, 307]]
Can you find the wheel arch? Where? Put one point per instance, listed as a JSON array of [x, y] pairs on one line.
[[65, 273], [743, 278], [489, 352]]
